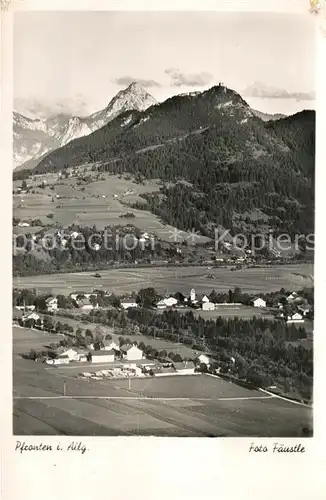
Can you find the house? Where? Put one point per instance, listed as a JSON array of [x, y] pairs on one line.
[[108, 345], [204, 359], [166, 302], [128, 303], [204, 299], [292, 297], [51, 304], [163, 371], [184, 368], [23, 224], [295, 318], [259, 302], [82, 357], [33, 315], [161, 304], [59, 360], [208, 306], [131, 352], [86, 305], [102, 356], [72, 354]]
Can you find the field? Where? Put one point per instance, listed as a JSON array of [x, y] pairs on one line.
[[173, 279], [230, 311], [196, 405]]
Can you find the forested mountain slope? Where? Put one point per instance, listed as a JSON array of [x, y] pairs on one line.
[[238, 165]]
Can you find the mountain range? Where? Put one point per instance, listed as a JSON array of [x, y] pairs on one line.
[[34, 138], [244, 173]]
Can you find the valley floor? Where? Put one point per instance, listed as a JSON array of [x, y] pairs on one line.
[[173, 279], [198, 405]]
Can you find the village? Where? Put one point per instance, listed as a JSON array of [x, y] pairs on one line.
[[123, 358]]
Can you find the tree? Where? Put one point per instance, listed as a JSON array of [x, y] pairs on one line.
[[40, 304], [115, 301], [48, 323], [142, 346], [59, 327], [79, 331], [213, 296], [24, 185], [99, 334], [203, 368], [63, 302], [38, 323], [32, 354], [147, 297]]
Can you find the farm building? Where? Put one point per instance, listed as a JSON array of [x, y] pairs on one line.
[[295, 318], [108, 345], [166, 302], [131, 352], [86, 305], [185, 368], [162, 371], [202, 358], [208, 306], [128, 303], [293, 298], [51, 304], [102, 356], [62, 359], [31, 315], [75, 354], [71, 353], [259, 302]]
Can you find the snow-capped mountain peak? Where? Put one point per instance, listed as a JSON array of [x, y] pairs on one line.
[[34, 138], [134, 97]]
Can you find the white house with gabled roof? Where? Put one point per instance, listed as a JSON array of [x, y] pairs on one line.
[[259, 302], [131, 352], [51, 304], [295, 318]]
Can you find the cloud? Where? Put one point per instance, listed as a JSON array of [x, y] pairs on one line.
[[261, 90], [127, 80], [180, 79], [35, 108]]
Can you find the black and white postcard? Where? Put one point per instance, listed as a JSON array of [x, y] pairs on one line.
[[163, 229]]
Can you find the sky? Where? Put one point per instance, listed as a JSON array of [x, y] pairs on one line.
[[75, 62]]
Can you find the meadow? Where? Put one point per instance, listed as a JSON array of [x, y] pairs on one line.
[[198, 405], [98, 202], [173, 279]]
